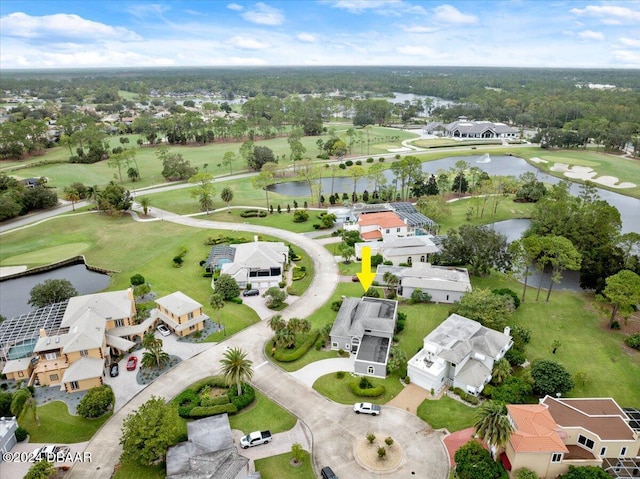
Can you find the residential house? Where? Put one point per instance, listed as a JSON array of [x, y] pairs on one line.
[[377, 226], [259, 263], [401, 251], [8, 427], [180, 313], [74, 352], [465, 128], [365, 327], [416, 222], [557, 433], [208, 453], [445, 284], [461, 353]]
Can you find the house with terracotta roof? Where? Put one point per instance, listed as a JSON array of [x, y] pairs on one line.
[[558, 433], [461, 353], [383, 225]]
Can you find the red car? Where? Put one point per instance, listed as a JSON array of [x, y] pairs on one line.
[[132, 362]]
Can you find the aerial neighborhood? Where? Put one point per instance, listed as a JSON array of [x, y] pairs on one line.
[[324, 272]]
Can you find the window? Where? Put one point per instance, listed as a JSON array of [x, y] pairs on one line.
[[603, 451], [84, 352], [422, 259], [397, 230], [53, 377], [49, 356], [190, 315], [371, 370], [74, 385], [586, 442], [119, 323], [556, 457], [623, 451], [191, 328], [20, 374], [409, 260], [347, 346], [387, 231], [334, 345]]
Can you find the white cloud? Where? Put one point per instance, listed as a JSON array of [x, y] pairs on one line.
[[419, 29], [381, 7], [195, 12], [419, 51], [609, 14], [307, 37], [247, 43], [631, 42], [244, 61], [61, 26], [628, 58], [450, 14], [263, 14], [144, 10], [591, 35], [235, 6]]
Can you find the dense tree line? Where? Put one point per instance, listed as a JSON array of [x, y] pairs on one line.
[[16, 199]]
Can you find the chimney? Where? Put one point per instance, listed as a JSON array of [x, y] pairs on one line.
[[43, 333], [507, 330]]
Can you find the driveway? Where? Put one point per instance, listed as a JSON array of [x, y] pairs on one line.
[[281, 443], [311, 372]]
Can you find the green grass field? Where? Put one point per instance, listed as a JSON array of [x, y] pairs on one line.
[[446, 413], [57, 425], [263, 414], [338, 389], [280, 467]]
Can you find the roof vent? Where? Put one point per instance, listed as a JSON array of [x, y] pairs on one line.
[[57, 339], [48, 340]]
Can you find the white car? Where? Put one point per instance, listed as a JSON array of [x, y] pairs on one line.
[[162, 329], [366, 408]]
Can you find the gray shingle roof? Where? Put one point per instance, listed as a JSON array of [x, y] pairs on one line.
[[357, 314]]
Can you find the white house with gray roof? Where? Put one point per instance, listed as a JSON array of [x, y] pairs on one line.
[[398, 250], [445, 284], [471, 129], [458, 353], [365, 327], [259, 263]]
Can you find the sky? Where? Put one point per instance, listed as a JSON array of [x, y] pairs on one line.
[[516, 33]]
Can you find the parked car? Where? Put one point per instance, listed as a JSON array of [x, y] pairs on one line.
[[162, 329], [250, 292], [255, 438], [114, 370], [45, 452], [132, 362], [327, 473], [366, 408]]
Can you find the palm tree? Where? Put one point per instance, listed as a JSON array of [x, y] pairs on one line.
[[23, 402], [154, 356], [236, 368], [71, 194], [501, 371], [145, 203], [285, 338], [276, 323], [226, 195], [391, 280], [305, 327], [217, 303], [492, 424]]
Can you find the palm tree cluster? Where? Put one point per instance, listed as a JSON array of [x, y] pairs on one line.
[[286, 331], [154, 356]]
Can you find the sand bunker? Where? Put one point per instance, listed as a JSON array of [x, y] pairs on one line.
[[585, 173], [399, 150], [538, 160], [8, 270]]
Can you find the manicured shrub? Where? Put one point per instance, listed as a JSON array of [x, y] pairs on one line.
[[300, 216], [470, 398], [515, 357], [342, 166], [369, 160], [358, 162], [96, 402], [340, 374], [372, 392], [348, 163], [214, 401], [137, 280], [371, 437], [633, 341], [289, 356], [241, 402], [508, 292], [201, 411], [21, 434], [236, 300]]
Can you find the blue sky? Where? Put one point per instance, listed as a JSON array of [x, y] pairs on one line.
[[95, 33]]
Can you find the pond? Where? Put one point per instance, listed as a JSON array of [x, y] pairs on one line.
[[14, 299], [498, 165]]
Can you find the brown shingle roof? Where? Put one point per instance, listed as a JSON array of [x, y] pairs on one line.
[[600, 416]]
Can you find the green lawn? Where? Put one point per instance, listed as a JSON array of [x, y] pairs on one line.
[[507, 209], [130, 469], [283, 220], [263, 414], [279, 467], [58, 426], [446, 413], [338, 389]]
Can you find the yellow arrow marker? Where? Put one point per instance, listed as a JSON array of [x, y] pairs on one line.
[[366, 276]]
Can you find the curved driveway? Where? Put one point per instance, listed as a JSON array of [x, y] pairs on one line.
[[334, 427]]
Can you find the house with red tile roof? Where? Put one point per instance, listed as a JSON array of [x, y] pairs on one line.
[[383, 225], [558, 433]]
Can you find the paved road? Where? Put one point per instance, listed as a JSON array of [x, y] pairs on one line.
[[334, 427]]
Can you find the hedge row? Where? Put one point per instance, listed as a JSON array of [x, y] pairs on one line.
[[299, 276], [253, 214], [241, 402], [214, 401], [289, 356], [206, 411], [470, 398], [367, 393]]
